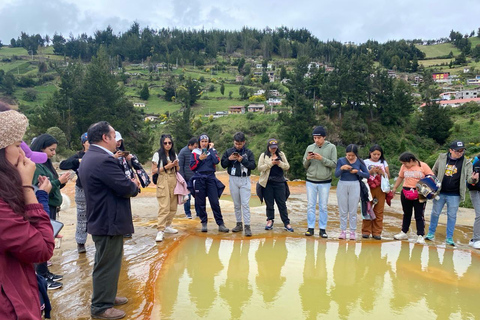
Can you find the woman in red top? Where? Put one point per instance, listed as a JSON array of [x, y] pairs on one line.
[[411, 172], [26, 234]]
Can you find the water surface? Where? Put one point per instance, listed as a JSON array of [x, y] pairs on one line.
[[290, 278]]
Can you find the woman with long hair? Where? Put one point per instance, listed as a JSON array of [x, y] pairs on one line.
[[272, 165], [377, 167], [73, 163], [48, 144], [26, 234], [411, 171], [351, 169], [165, 163]]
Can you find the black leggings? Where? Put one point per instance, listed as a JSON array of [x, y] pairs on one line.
[[413, 205]]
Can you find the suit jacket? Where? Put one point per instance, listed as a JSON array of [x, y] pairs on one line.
[[107, 193]]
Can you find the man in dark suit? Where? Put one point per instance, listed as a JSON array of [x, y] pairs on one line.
[[109, 216]]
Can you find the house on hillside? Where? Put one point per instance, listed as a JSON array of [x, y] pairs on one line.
[[139, 104], [274, 102], [455, 102], [475, 81], [236, 109], [465, 94], [447, 95], [256, 108], [239, 79], [151, 118]]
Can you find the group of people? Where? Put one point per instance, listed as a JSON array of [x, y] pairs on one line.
[[452, 169], [108, 176]]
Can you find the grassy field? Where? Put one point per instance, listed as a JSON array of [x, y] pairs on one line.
[[474, 41], [434, 62], [438, 50]]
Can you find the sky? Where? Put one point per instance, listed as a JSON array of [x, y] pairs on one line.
[[342, 20]]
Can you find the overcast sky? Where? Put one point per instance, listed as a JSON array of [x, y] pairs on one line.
[[342, 20]]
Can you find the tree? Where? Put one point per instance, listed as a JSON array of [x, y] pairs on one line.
[[243, 92], [170, 88], [434, 122], [283, 73], [222, 89], [265, 78], [144, 93]]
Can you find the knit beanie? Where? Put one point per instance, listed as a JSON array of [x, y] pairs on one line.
[[13, 125], [319, 131]]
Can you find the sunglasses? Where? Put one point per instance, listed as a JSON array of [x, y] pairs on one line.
[[167, 142]]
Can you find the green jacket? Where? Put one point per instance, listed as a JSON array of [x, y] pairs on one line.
[[54, 197], [321, 170], [466, 174]]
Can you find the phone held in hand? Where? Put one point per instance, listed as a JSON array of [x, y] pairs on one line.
[[125, 153], [235, 154], [204, 150]]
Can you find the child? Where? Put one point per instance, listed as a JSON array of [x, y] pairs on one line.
[[351, 170], [377, 167]]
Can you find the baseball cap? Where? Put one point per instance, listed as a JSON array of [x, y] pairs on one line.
[[118, 136], [457, 145], [272, 143]]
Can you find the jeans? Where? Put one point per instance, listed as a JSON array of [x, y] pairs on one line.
[[186, 206], [317, 191], [475, 196], [453, 203]]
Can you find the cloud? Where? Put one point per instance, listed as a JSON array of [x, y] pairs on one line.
[[343, 20]]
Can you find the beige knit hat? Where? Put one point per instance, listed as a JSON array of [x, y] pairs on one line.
[[13, 125]]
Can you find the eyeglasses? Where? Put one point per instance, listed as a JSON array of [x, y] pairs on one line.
[[167, 142]]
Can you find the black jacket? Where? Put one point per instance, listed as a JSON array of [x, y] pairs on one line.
[[184, 157], [248, 162], [107, 193], [73, 163]]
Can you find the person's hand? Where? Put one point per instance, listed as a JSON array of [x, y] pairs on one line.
[[203, 156], [346, 167], [44, 184], [210, 145], [135, 180], [317, 156], [26, 168], [64, 178], [118, 154], [275, 161], [129, 157], [239, 158], [310, 156], [475, 176], [354, 171], [232, 157]]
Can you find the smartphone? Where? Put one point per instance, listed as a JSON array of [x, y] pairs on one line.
[[204, 151], [57, 226], [235, 154], [310, 152], [125, 153]]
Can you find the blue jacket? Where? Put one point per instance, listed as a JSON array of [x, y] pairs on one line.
[[346, 175], [107, 193], [206, 166]]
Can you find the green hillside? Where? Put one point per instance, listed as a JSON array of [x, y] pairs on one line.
[[438, 50]]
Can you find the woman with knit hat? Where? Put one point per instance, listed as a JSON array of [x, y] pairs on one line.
[[26, 234]]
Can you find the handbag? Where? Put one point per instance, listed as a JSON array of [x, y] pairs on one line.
[[385, 184], [155, 175], [410, 194]]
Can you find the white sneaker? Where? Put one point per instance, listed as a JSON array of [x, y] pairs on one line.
[[471, 243], [170, 230], [159, 237], [400, 236], [420, 240], [476, 244]]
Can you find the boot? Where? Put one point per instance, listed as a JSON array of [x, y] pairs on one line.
[[248, 232], [204, 227], [222, 228], [238, 227]]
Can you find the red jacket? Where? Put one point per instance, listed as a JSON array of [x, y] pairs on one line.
[[22, 243]]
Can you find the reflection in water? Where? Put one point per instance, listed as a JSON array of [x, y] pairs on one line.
[[271, 256], [206, 278], [236, 290], [313, 290]]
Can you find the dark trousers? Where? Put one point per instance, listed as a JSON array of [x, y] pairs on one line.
[[419, 208], [273, 193], [206, 187], [186, 206], [106, 270], [53, 212]]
